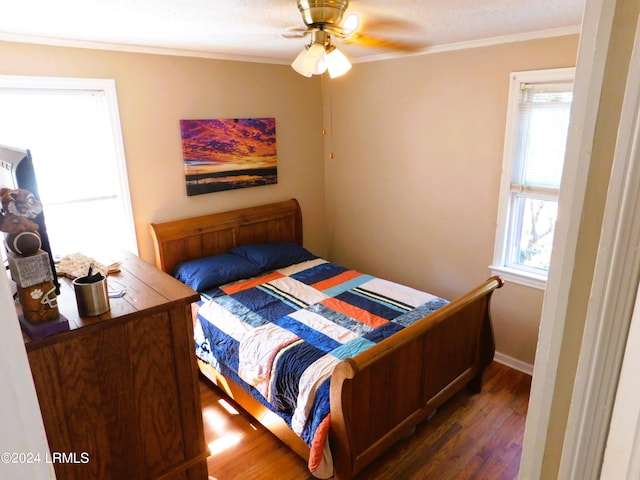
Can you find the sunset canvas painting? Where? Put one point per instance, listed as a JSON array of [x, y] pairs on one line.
[[225, 154]]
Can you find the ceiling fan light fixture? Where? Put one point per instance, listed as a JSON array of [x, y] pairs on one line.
[[317, 58], [337, 63], [324, 18]]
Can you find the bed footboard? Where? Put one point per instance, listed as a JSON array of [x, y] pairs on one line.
[[381, 394]]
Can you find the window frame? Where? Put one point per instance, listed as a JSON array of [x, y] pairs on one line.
[[502, 264], [108, 87]]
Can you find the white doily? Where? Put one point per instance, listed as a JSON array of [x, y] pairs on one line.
[[77, 265]]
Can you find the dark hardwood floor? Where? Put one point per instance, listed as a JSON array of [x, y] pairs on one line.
[[470, 437]]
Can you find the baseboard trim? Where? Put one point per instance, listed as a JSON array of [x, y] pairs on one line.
[[513, 363]]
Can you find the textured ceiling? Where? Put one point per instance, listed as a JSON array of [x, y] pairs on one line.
[[251, 29]]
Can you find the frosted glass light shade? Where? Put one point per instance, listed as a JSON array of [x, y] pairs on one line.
[[297, 64], [351, 23], [315, 60], [337, 63]]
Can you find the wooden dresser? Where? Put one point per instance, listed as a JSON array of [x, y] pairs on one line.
[[119, 392]]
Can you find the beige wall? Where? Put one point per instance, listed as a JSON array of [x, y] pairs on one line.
[[412, 190], [155, 92]]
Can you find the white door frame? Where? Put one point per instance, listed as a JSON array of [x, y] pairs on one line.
[[590, 70], [612, 300], [622, 454]]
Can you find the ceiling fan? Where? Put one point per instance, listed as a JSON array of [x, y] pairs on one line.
[[324, 19]]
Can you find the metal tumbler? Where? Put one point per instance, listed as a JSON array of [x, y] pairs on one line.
[[92, 295]]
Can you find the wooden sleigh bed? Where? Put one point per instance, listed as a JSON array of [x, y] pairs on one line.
[[379, 395]]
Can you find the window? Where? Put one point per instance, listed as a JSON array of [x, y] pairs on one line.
[[536, 136], [72, 128]]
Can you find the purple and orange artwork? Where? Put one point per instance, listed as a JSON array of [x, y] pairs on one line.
[[224, 154]]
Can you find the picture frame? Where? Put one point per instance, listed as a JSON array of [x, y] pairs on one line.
[[229, 153]]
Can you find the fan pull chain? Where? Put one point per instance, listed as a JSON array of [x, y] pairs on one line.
[[324, 129]]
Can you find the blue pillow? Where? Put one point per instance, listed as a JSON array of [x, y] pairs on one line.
[[206, 273], [270, 256]]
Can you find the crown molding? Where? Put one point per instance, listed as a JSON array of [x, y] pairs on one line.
[[483, 42], [152, 50], [130, 48]]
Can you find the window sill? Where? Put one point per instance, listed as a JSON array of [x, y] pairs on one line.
[[518, 276]]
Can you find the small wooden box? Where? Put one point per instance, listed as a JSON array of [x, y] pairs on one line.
[[31, 270], [39, 302]]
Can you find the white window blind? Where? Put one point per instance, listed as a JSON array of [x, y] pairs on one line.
[[543, 122], [535, 142]]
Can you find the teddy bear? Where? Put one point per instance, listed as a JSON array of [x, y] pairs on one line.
[[20, 202]]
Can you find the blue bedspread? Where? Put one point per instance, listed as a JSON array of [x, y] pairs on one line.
[[280, 336]]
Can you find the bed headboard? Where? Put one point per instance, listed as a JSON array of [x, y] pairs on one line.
[[203, 236]]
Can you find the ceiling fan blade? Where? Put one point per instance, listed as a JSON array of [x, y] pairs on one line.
[[296, 32], [361, 39]]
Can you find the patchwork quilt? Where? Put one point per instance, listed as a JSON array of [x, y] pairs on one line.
[[280, 335]]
